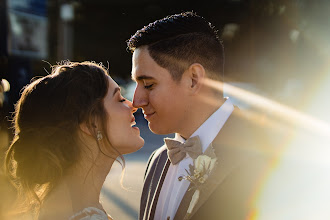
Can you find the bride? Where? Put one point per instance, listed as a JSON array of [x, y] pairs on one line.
[[70, 127]]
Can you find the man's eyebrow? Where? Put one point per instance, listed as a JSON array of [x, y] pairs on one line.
[[143, 77], [116, 90]]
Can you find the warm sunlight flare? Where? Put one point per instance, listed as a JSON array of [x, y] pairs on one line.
[[273, 109], [298, 184]]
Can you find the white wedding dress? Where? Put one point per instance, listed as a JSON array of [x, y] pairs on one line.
[[91, 213]]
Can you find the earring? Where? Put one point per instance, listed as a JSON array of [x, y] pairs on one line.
[[99, 135]]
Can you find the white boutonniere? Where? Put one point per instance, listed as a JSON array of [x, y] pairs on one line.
[[197, 175]]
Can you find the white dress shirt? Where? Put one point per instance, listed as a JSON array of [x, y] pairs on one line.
[[173, 190]]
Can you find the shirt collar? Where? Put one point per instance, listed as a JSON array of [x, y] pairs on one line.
[[211, 127]]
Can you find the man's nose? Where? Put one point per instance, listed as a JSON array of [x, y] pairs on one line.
[[140, 98]]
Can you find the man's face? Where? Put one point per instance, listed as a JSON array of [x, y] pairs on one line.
[[163, 100]]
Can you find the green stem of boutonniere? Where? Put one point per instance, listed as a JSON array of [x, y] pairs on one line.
[[193, 201]]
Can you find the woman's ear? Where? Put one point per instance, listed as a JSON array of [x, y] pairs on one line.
[[84, 128], [196, 74]]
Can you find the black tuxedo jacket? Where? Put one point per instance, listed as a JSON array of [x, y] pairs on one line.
[[244, 157]]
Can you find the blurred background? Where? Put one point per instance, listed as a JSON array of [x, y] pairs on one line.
[[277, 66]]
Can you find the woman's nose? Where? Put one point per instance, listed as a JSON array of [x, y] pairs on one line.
[[130, 104]]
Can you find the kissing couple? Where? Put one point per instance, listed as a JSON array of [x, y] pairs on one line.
[[71, 125]]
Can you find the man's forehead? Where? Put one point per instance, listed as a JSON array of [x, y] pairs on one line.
[[138, 77], [141, 66]]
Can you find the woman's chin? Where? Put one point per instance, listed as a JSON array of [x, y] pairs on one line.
[[139, 143]]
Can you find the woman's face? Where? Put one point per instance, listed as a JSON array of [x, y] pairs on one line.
[[122, 135]]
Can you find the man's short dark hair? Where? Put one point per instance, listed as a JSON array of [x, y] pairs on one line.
[[177, 41]]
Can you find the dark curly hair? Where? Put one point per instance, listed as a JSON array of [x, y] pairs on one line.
[[46, 121], [177, 41]]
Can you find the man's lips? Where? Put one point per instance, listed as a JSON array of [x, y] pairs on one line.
[[148, 115]]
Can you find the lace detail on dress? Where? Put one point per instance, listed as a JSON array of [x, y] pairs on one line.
[[90, 213]]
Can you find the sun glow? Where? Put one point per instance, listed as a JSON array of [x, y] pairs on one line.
[[297, 185], [274, 109]]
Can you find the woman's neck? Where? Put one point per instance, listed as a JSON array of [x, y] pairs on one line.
[[79, 188], [86, 180]]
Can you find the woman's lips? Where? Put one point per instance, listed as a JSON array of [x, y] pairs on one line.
[[133, 123]]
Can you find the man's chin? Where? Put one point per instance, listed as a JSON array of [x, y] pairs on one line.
[[157, 129]]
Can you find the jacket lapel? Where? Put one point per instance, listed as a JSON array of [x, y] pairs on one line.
[[228, 157], [157, 181]]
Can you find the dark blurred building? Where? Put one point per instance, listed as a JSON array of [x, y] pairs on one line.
[[23, 42], [266, 42], [272, 45]]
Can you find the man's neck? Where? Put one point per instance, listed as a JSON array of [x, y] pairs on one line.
[[201, 112]]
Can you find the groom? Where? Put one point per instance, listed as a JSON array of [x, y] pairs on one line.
[[178, 67]]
